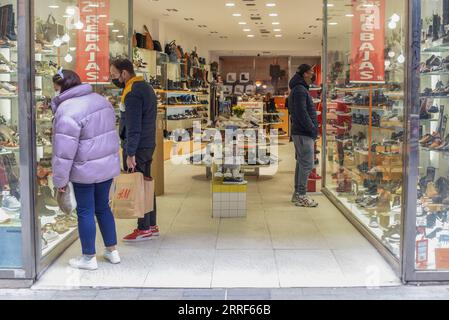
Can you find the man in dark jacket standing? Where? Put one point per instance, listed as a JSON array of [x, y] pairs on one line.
[[138, 110], [304, 132]]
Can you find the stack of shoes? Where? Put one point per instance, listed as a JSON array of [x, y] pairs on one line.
[[10, 203]]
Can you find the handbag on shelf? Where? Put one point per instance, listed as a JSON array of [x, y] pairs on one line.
[[141, 40], [134, 40], [171, 51], [52, 29], [149, 44], [157, 45]]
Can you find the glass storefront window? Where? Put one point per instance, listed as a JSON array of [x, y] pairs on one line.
[[83, 36], [365, 113], [10, 211], [432, 233]]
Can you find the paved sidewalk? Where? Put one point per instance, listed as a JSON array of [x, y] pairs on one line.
[[388, 293]]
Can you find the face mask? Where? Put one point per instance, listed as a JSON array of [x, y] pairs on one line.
[[118, 84]]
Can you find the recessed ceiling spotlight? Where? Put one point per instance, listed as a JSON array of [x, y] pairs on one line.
[[250, 36], [277, 30], [273, 14], [236, 15], [230, 4], [242, 23], [275, 23], [271, 4], [330, 5], [246, 30], [333, 23], [278, 35], [53, 6]]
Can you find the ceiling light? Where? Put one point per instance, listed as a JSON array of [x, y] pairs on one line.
[[116, 31], [236, 15], [330, 5], [275, 23], [349, 15], [53, 7], [278, 35], [395, 17], [401, 59], [333, 23], [246, 30], [251, 36], [392, 25], [273, 14], [271, 4], [70, 11], [242, 23], [230, 4], [110, 24], [277, 30]]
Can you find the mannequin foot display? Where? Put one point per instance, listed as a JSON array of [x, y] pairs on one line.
[[84, 263]]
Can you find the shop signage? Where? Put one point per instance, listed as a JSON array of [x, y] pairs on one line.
[[93, 41], [368, 42]]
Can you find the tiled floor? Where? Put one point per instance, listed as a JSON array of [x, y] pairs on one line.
[[276, 246]]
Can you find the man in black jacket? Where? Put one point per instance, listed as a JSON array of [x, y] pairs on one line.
[[304, 130], [138, 111]]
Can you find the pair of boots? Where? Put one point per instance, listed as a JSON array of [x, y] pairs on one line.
[[7, 23]]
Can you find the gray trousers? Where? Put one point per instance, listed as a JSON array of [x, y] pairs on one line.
[[305, 154]]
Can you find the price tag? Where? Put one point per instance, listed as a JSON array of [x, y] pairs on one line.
[[158, 71]]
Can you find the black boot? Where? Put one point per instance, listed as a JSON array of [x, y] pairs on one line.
[[11, 25]]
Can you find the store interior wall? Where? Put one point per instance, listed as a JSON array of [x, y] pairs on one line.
[[257, 67]]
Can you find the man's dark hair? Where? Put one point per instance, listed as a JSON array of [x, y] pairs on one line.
[[66, 79], [303, 69], [124, 65]]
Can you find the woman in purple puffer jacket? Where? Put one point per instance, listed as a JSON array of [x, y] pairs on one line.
[[86, 153]]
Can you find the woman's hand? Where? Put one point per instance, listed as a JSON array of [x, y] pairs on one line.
[[62, 190]]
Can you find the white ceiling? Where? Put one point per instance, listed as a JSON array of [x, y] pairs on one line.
[[224, 35]]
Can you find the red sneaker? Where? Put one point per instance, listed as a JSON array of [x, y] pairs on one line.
[[138, 236], [155, 230]]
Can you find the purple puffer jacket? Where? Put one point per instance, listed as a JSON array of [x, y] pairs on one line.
[[85, 140]]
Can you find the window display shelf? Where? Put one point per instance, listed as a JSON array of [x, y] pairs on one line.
[[434, 73], [184, 105], [434, 97]]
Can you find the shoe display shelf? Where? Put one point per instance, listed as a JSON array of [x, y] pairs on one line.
[[433, 195]]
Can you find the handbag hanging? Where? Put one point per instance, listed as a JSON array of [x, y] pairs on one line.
[[141, 40], [157, 45]]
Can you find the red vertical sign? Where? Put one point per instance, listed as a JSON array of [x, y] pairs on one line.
[[368, 41], [93, 41]]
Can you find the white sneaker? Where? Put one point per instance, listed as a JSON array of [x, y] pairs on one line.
[[112, 256], [84, 263]]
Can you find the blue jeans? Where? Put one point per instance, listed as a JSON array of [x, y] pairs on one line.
[[93, 200]]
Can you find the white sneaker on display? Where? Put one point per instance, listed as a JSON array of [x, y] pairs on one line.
[[84, 263], [112, 256]]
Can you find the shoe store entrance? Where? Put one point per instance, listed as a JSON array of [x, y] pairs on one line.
[[234, 158]]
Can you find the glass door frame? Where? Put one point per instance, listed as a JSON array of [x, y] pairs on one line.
[[409, 272], [395, 262], [42, 263]]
